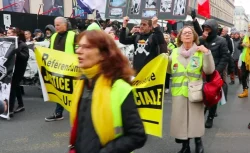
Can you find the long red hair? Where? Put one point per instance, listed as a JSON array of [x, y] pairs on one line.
[[116, 65]]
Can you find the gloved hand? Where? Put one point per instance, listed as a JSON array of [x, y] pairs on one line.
[[193, 14]]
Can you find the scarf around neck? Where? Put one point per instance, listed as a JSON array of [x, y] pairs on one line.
[[187, 53], [101, 109]]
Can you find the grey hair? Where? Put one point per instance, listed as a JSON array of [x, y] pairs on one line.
[[62, 19], [226, 29]]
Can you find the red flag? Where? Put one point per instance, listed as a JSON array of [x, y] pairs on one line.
[[204, 8], [172, 22]]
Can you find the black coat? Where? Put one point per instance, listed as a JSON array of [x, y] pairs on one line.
[[217, 45], [87, 140], [229, 43], [22, 56], [22, 53]]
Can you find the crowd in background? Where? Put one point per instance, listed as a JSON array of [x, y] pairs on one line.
[[214, 47]]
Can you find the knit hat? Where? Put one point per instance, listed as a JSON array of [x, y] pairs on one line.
[[93, 26], [236, 32], [37, 31]]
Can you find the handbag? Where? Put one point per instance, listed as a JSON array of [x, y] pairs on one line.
[[212, 89], [195, 93]]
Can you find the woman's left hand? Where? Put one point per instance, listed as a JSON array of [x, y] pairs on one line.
[[202, 48]]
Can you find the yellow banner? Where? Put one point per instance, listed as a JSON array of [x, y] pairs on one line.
[[59, 73], [149, 87]]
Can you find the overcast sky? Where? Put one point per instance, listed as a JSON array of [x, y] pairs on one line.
[[243, 3]]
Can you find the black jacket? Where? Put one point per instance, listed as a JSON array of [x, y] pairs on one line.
[[22, 57], [197, 27], [22, 53], [229, 43], [217, 45], [87, 140], [145, 49], [60, 41]]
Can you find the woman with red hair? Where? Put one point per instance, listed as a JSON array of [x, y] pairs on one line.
[[104, 116]]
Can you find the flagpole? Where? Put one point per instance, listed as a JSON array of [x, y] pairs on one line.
[[194, 6], [8, 6]]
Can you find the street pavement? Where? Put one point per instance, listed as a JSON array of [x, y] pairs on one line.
[[27, 132]]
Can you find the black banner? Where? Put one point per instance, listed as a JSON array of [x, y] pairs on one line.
[[7, 64], [147, 9]]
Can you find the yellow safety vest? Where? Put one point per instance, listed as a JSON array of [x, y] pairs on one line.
[[244, 52], [181, 75], [171, 46], [69, 44], [119, 92]]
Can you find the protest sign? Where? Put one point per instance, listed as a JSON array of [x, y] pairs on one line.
[[30, 77], [149, 94], [59, 72], [7, 64], [59, 77], [147, 9]]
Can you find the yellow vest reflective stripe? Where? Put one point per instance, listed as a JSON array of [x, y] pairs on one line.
[[69, 44], [244, 52], [119, 92], [181, 75], [178, 74]]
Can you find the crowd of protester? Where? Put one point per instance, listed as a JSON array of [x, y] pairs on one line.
[[212, 46]]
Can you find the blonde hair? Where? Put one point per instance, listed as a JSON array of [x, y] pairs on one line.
[[166, 35], [195, 35]]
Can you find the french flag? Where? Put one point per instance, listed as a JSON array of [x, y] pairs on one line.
[[204, 8]]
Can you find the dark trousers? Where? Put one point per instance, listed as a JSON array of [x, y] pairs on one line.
[[182, 141], [167, 80], [237, 71], [59, 109], [245, 74], [15, 90]]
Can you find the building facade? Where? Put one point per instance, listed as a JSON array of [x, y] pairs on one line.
[[35, 4], [241, 19], [221, 10]]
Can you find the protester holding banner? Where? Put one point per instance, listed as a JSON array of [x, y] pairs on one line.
[[22, 56], [62, 40], [147, 45], [28, 36], [170, 47], [38, 35], [49, 31], [106, 119], [186, 64]]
